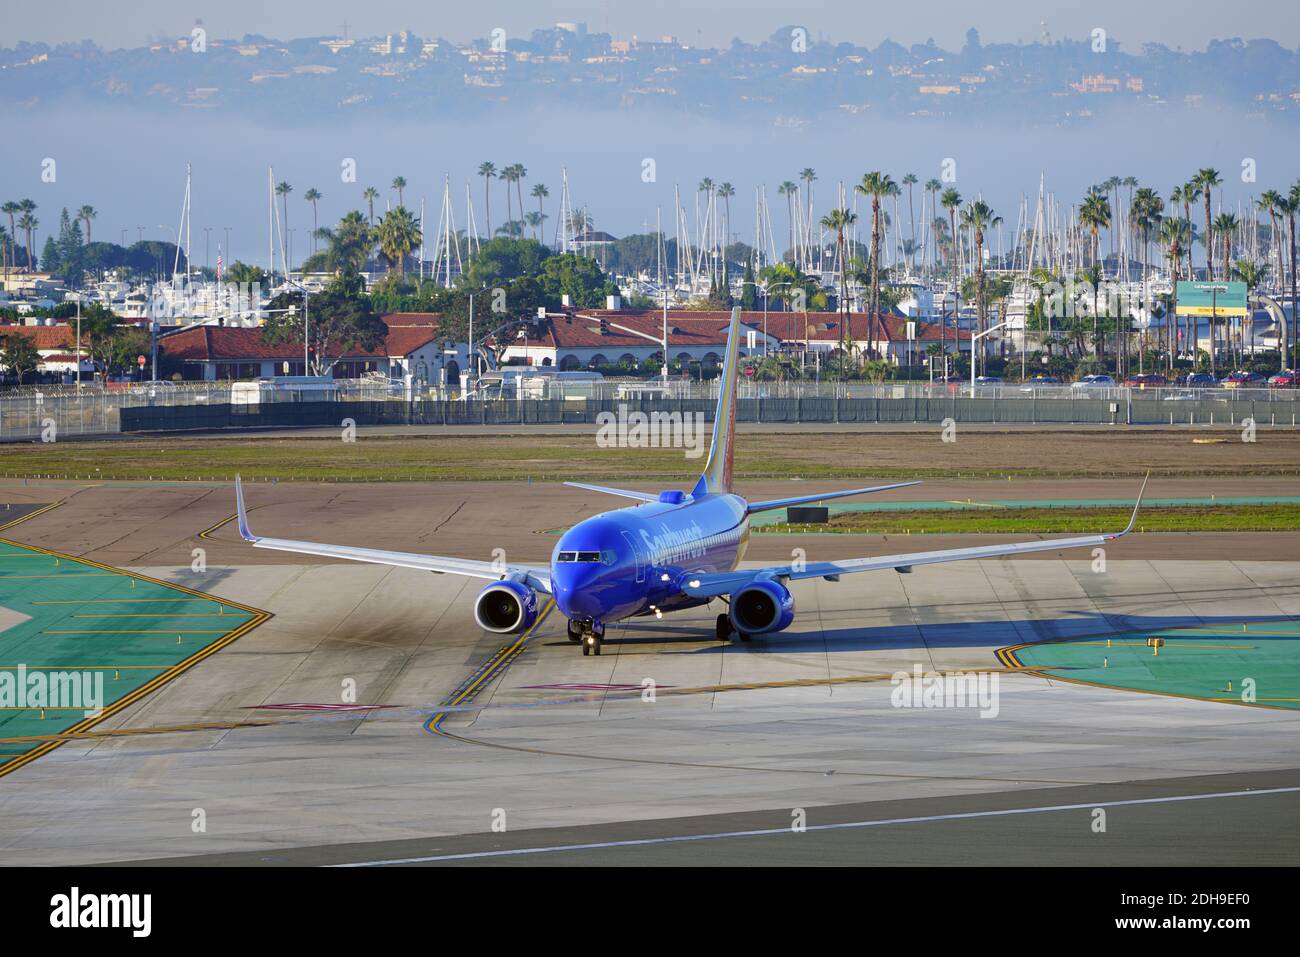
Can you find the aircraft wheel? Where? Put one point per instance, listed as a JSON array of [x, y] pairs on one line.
[[586, 649], [575, 631], [724, 628]]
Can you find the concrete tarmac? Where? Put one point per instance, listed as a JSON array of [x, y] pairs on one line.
[[564, 750]]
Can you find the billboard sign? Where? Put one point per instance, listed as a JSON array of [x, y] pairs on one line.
[[1212, 299]]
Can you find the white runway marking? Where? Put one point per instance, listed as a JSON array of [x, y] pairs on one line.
[[771, 832]]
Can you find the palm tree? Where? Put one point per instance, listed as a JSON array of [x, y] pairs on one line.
[[508, 176], [1269, 202], [371, 194], [1208, 178], [520, 175], [1095, 215], [398, 234], [977, 217], [726, 191], [11, 209], [1225, 224], [809, 176], [28, 223], [1176, 235], [1252, 274], [27, 207], [875, 184], [86, 214], [933, 186], [1111, 188], [348, 246], [1288, 208], [909, 180], [951, 201], [534, 220], [313, 196], [487, 171], [540, 192], [283, 189], [399, 184], [838, 220], [788, 189], [1147, 209]]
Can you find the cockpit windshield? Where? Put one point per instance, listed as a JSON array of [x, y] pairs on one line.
[[594, 558]]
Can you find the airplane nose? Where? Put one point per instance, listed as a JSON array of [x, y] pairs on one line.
[[573, 592]]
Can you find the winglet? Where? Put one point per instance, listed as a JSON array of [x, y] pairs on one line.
[[1137, 505], [242, 515]]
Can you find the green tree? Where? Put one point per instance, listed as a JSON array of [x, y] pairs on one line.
[[19, 355], [349, 245], [398, 233], [339, 319]]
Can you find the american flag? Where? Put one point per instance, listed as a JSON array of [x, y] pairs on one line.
[[218, 264]]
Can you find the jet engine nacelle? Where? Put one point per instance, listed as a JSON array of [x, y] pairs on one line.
[[761, 607], [506, 608]]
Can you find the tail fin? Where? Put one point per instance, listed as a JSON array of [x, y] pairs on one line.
[[717, 470]]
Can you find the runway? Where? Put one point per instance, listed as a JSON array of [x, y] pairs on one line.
[[1252, 826], [564, 750]]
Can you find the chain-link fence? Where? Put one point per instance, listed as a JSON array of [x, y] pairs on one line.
[[62, 412]]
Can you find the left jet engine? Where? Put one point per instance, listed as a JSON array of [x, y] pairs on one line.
[[506, 608]]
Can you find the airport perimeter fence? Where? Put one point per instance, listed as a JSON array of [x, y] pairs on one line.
[[1136, 409], [52, 413]]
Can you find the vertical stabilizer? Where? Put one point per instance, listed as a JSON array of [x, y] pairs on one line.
[[717, 470]]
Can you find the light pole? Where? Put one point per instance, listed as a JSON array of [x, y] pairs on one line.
[[975, 337], [306, 327]]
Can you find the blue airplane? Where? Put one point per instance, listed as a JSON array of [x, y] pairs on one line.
[[670, 551]]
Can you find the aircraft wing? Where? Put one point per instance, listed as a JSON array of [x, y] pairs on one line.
[[722, 583], [535, 576]]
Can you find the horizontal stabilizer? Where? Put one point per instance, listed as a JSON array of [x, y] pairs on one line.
[[639, 496], [807, 499]]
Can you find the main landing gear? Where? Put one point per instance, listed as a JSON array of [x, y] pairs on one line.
[[591, 634], [725, 631]]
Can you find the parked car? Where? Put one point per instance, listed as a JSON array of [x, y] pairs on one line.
[[1199, 380], [1243, 380], [1099, 381], [1286, 379], [1039, 382], [1146, 380]]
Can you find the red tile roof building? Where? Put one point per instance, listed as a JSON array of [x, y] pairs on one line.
[[226, 352], [599, 337]]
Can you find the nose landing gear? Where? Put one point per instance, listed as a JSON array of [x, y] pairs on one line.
[[591, 634]]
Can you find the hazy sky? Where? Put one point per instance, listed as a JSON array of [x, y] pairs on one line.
[[1186, 23]]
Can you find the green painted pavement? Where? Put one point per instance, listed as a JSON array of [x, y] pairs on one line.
[[777, 516], [1197, 662], [92, 620]]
